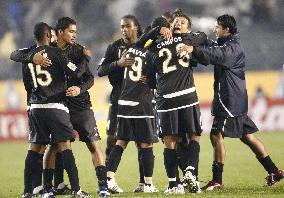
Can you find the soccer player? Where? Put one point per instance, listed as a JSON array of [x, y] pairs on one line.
[[180, 101], [113, 65], [135, 115], [177, 104], [230, 102], [33, 161], [47, 106], [78, 100]]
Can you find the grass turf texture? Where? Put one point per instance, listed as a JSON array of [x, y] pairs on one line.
[[243, 175]]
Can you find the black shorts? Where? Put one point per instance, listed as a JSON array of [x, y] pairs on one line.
[[181, 121], [84, 123], [112, 119], [49, 126], [136, 129], [234, 127]]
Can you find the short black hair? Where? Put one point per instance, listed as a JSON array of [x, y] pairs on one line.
[[40, 29], [161, 22], [63, 23], [167, 15], [228, 21], [135, 21], [179, 13]]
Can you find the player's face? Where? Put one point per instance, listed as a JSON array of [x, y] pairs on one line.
[[69, 34], [128, 29], [220, 31], [180, 25], [53, 36]]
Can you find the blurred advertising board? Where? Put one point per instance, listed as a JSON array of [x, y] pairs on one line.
[[267, 114]]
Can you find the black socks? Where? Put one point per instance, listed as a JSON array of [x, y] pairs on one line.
[[71, 169], [217, 169], [114, 158]]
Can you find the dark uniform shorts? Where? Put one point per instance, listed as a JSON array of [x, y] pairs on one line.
[[181, 121], [234, 127], [49, 126], [137, 129], [84, 123], [112, 119]]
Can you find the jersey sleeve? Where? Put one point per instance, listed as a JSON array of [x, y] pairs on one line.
[[108, 63], [87, 80], [151, 60], [22, 55], [151, 34]]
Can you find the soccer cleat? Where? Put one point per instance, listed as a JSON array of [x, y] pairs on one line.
[[63, 191], [80, 194], [103, 191], [179, 190], [139, 188], [190, 180], [113, 187], [272, 178], [150, 189], [48, 193], [27, 195], [213, 185], [38, 191]]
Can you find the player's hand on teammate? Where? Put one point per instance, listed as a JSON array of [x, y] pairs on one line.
[[73, 91], [184, 50], [125, 60], [166, 33], [87, 52], [143, 79], [39, 59]]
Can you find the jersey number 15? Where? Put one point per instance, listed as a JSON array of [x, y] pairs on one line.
[[37, 71]]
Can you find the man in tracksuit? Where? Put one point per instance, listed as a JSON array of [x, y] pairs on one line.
[[230, 103]]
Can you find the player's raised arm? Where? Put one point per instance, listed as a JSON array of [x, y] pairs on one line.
[[26, 55]]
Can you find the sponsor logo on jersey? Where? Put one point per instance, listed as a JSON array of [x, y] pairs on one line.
[[72, 66]]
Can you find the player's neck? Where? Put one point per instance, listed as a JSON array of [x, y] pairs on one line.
[[130, 40], [61, 44], [41, 43]]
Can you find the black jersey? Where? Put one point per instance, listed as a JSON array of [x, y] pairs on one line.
[[49, 83], [136, 97], [26, 74], [175, 83], [74, 54], [108, 66]]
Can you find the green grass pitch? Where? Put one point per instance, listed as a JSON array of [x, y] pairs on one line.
[[243, 175]]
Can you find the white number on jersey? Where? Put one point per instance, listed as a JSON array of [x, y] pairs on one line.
[[35, 72], [168, 68], [136, 74]]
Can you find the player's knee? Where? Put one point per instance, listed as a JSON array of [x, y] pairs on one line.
[[122, 143], [94, 146], [62, 146], [195, 138], [170, 142], [216, 138], [146, 145], [111, 140], [37, 148], [248, 139]]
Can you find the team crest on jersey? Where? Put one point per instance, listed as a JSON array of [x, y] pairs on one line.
[[72, 66]]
